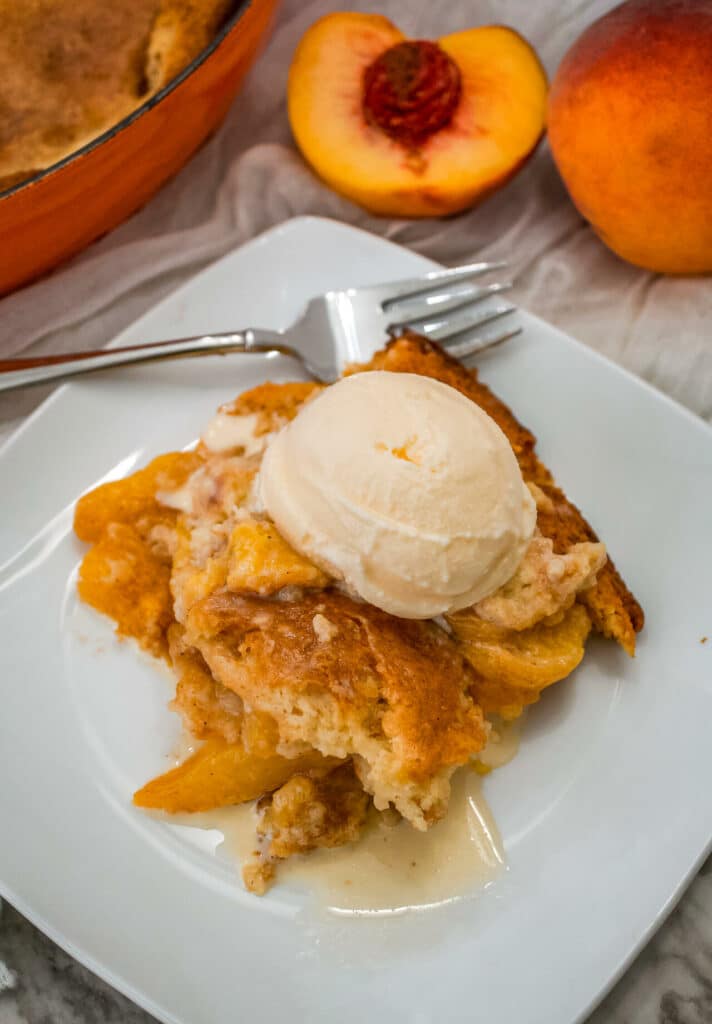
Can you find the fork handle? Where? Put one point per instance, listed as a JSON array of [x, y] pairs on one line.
[[24, 373]]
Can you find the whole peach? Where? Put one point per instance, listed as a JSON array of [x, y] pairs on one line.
[[630, 127]]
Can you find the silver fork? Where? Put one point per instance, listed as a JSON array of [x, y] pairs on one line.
[[442, 305]]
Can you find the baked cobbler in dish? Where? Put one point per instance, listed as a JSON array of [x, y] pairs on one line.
[[269, 582], [71, 69]]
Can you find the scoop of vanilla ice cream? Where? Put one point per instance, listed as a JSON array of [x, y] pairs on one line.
[[404, 489]]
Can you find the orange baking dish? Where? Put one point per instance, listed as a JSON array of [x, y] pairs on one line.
[[59, 211]]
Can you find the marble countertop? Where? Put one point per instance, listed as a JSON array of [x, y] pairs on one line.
[[249, 178]]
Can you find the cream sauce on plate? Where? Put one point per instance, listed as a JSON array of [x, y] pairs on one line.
[[393, 867]]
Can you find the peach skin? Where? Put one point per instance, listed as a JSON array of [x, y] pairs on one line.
[[630, 127], [411, 128]]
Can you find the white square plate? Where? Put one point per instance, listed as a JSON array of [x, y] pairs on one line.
[[604, 813]]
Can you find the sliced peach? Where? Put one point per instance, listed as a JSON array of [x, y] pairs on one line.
[[411, 128], [133, 498], [262, 562], [514, 667], [221, 774]]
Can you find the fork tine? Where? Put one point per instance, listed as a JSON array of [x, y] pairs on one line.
[[397, 291], [435, 308], [436, 301], [442, 329], [469, 348]]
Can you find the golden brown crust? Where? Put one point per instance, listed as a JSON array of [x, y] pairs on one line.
[[69, 71], [613, 609], [209, 709], [206, 707], [544, 585], [308, 812], [389, 691], [305, 814], [405, 675], [73, 68]]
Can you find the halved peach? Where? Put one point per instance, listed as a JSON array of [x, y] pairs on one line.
[[413, 128]]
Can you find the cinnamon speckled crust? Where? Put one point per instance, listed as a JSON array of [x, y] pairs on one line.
[[207, 708], [389, 692], [613, 609], [545, 584]]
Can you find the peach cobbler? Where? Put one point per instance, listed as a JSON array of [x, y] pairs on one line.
[[352, 584], [71, 69]]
